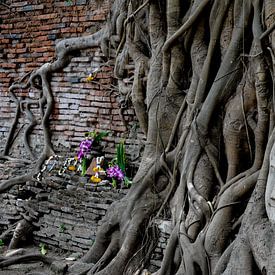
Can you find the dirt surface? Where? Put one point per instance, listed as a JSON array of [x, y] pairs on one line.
[[29, 268], [38, 268]]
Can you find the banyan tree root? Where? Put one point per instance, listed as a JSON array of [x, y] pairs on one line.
[[22, 229], [5, 262]]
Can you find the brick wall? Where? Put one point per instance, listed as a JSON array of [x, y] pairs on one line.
[[66, 213], [29, 33]]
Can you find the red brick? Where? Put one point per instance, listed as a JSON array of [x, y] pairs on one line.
[[99, 17], [20, 45], [46, 27], [46, 16], [71, 30], [4, 41], [43, 49], [22, 50], [43, 59], [8, 65], [78, 106], [23, 60], [42, 38], [6, 26], [19, 4]]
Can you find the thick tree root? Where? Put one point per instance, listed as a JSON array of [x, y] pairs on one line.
[[25, 259]]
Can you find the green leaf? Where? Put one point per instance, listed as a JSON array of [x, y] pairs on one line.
[[121, 156], [1, 243], [69, 2], [83, 166], [98, 137], [62, 228], [127, 182], [43, 249], [114, 184]]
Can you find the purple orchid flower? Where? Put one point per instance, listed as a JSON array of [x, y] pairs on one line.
[[84, 148], [115, 172]]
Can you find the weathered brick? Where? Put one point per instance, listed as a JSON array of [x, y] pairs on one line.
[[43, 49], [22, 50], [8, 65], [26, 8], [46, 16], [4, 41], [79, 105], [81, 2], [6, 26], [19, 4]]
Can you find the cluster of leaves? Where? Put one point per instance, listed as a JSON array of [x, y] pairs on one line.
[[96, 136], [121, 156], [62, 228], [118, 166], [43, 248], [69, 2]]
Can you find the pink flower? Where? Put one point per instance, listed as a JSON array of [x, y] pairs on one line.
[[80, 155], [115, 172], [84, 148]]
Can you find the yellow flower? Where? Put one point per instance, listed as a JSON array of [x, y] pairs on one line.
[[90, 78], [72, 168], [97, 169], [95, 179], [76, 158]]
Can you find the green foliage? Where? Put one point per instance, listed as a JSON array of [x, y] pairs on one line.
[[121, 161], [114, 183], [97, 136], [84, 163], [1, 243], [69, 2], [62, 228], [121, 156], [43, 249], [127, 182]]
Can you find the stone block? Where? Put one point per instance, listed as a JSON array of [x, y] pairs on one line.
[[86, 242], [81, 232], [59, 267], [81, 2], [79, 268]]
